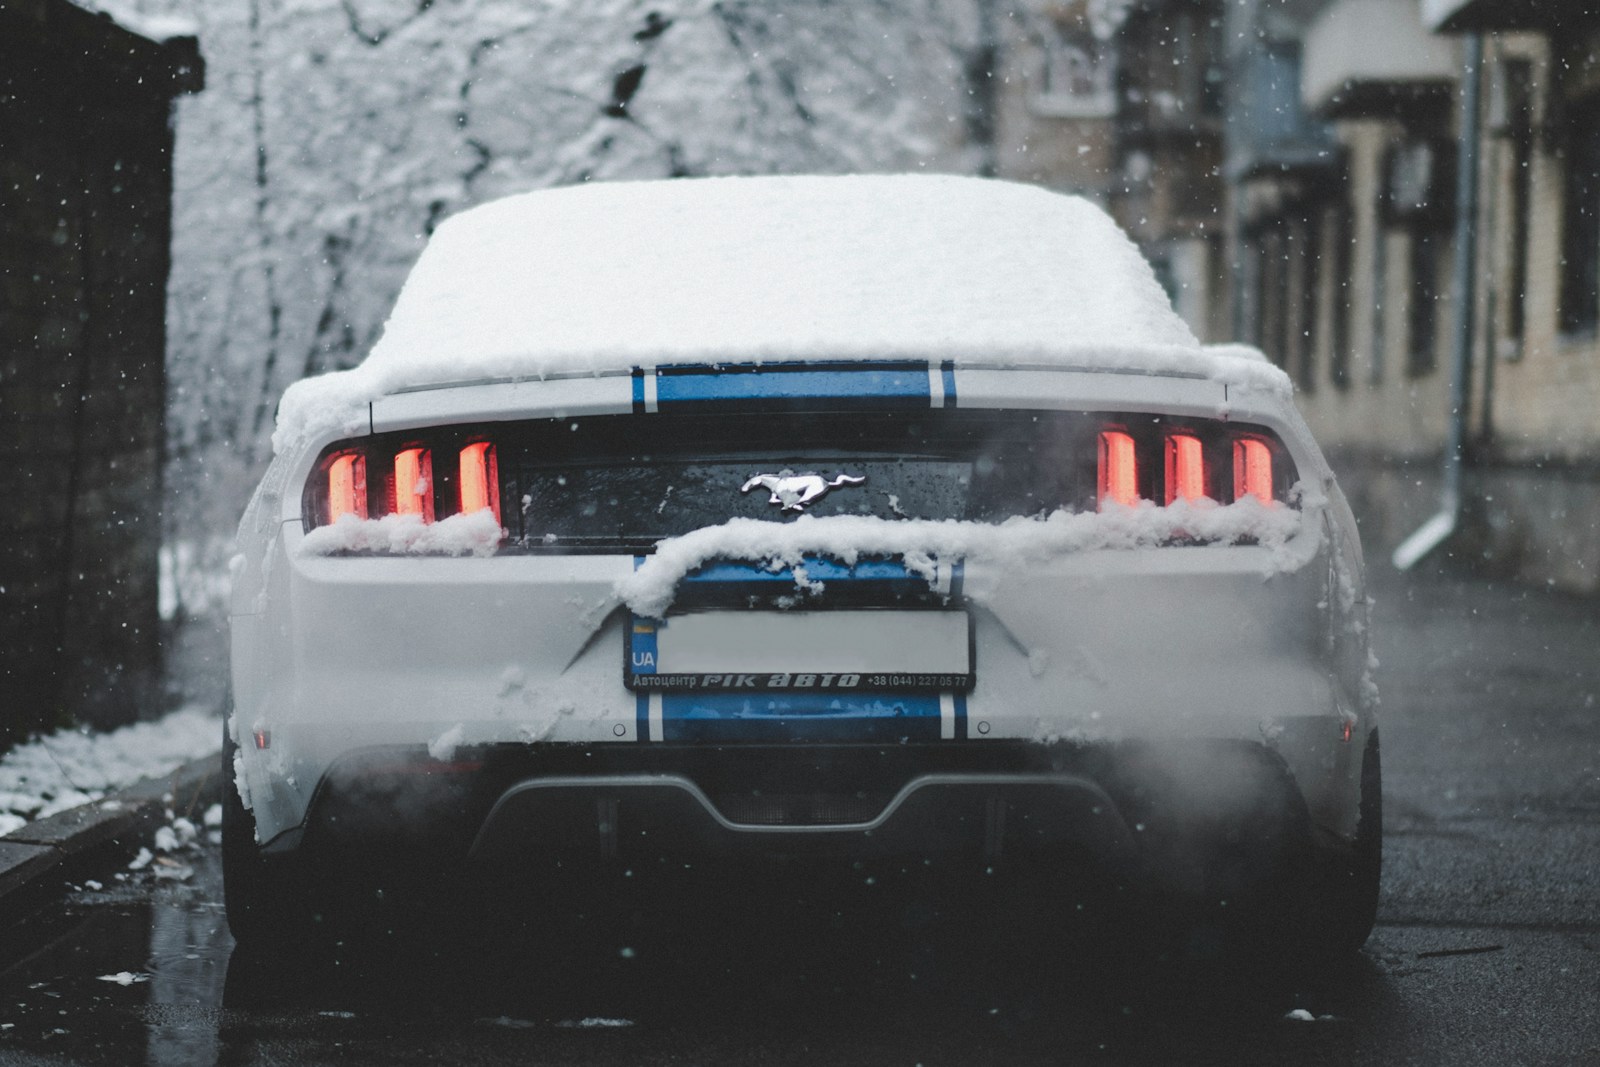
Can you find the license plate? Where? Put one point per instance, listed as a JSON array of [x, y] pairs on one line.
[[759, 651]]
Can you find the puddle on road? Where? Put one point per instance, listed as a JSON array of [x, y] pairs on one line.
[[118, 976]]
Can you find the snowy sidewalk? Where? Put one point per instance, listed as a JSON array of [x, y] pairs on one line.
[[67, 798], [68, 768]]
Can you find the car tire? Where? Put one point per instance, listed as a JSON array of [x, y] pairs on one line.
[[256, 897], [1353, 907]]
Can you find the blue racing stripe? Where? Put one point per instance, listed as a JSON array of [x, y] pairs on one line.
[[769, 386], [817, 568], [961, 716], [800, 717], [947, 373], [879, 581], [641, 699], [641, 716]]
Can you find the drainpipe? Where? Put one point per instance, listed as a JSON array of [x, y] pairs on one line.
[[1433, 533]]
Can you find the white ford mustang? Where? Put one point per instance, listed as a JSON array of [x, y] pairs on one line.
[[870, 517]]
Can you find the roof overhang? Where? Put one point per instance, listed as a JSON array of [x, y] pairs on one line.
[[1361, 56], [1295, 160], [1477, 16], [80, 47]]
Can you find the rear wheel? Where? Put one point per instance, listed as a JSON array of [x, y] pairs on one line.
[[1347, 893], [1357, 909], [262, 904]]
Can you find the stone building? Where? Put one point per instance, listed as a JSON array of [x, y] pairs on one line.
[[1365, 250], [1534, 484], [85, 194], [1393, 79]]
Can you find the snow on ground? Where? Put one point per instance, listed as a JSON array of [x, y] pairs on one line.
[[125, 978], [601, 278], [69, 768]]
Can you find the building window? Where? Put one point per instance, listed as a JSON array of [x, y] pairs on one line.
[[1422, 328], [1077, 73], [1380, 293], [1308, 277], [1514, 122], [1194, 68], [1166, 276], [1419, 199], [1341, 234], [1580, 250], [1247, 302], [1272, 306], [1213, 87]]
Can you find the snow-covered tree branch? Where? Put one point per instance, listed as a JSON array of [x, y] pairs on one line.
[[335, 134]]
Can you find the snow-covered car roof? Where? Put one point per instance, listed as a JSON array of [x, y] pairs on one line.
[[602, 278]]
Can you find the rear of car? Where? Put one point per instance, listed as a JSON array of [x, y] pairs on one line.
[[960, 612]]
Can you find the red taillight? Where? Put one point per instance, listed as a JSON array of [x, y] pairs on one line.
[[408, 482], [480, 479], [413, 483], [1186, 468], [347, 486], [1252, 469], [1119, 470]]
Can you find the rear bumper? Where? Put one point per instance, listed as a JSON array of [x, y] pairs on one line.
[[1187, 641], [984, 816], [1196, 818]]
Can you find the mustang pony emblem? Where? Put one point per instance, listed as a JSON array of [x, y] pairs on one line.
[[795, 491]]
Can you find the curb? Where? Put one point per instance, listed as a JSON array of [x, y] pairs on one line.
[[116, 825]]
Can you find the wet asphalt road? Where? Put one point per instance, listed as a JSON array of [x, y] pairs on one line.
[[1487, 951]]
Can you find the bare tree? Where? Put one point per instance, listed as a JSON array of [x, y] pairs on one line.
[[334, 135]]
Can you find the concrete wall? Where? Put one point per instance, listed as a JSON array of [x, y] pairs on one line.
[[1546, 400], [1531, 523]]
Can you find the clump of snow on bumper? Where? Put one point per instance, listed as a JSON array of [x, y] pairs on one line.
[[443, 747], [474, 534], [922, 544]]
